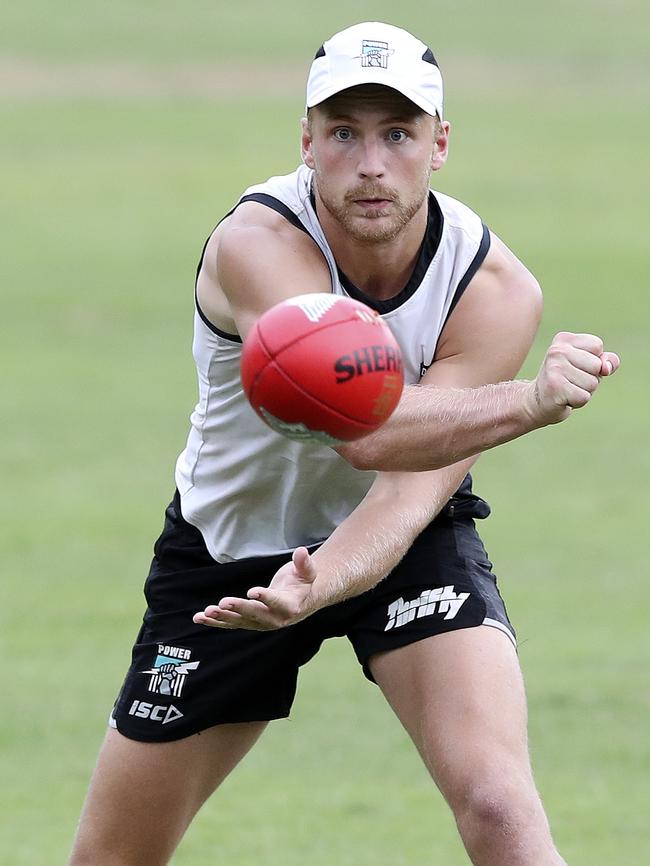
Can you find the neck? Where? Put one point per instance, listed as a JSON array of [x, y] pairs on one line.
[[380, 269]]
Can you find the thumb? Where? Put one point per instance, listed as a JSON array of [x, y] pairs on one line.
[[610, 362], [304, 564]]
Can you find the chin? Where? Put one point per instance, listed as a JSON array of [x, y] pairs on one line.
[[375, 230]]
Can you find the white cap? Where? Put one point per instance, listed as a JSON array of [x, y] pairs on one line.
[[376, 53]]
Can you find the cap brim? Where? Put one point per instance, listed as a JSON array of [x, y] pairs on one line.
[[384, 81]]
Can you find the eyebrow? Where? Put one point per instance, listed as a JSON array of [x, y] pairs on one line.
[[336, 116]]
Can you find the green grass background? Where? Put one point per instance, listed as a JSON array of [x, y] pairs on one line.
[[127, 131]]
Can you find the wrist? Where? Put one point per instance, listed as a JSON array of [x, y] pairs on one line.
[[531, 406]]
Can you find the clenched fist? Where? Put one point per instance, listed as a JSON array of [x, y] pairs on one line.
[[570, 373]]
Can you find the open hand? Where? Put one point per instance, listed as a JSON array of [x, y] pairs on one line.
[[570, 373], [286, 600]]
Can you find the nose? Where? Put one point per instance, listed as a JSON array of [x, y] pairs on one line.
[[371, 160]]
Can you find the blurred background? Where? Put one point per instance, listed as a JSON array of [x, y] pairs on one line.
[[127, 131]]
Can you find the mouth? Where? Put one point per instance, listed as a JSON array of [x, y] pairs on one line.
[[373, 203]]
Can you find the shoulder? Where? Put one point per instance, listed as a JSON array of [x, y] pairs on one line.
[[255, 233], [292, 189], [251, 231], [255, 258], [459, 216], [502, 290], [505, 275]]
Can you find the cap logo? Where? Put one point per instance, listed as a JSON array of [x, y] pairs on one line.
[[375, 53]]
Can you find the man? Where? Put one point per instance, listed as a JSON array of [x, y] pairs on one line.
[[271, 546]]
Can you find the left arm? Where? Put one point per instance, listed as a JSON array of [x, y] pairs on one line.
[[465, 402], [360, 552], [485, 340]]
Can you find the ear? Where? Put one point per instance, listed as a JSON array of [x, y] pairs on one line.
[[441, 146], [306, 142]]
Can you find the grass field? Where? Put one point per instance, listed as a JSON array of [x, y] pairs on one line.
[[127, 133]]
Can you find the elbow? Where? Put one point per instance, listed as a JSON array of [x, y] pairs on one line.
[[360, 454]]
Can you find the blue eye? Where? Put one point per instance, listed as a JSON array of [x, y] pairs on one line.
[[397, 135], [343, 133]]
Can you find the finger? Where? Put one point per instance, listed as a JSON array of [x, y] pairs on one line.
[[589, 342], [576, 397], [582, 380], [220, 619], [227, 612], [269, 600], [610, 362], [279, 608], [250, 609], [566, 356]]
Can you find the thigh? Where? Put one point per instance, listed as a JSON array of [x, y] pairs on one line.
[[460, 696], [143, 796]]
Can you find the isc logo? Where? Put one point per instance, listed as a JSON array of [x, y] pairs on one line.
[[156, 713]]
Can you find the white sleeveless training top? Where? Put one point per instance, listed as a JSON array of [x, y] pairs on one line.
[[251, 491]]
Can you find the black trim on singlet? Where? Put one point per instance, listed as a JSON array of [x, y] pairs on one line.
[[476, 263], [428, 249], [234, 338], [261, 198], [276, 205]]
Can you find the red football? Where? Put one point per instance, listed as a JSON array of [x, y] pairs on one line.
[[322, 367]]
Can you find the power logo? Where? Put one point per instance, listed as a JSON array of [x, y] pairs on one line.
[[155, 712], [170, 670]]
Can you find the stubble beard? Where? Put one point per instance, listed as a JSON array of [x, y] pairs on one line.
[[374, 226]]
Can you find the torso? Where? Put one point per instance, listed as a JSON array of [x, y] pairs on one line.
[[250, 491]]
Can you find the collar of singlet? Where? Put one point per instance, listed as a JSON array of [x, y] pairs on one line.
[[428, 249]]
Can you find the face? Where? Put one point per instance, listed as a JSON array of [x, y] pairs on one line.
[[372, 151]]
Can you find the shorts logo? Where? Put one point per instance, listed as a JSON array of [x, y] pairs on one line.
[[145, 710], [440, 600], [170, 670], [375, 53]]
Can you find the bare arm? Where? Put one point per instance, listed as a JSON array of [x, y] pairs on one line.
[[357, 556], [374, 538], [485, 341], [463, 406]]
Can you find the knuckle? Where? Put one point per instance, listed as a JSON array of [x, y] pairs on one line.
[[597, 345], [556, 353], [591, 343]]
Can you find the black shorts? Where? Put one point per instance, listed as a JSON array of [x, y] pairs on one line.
[[185, 678]]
